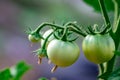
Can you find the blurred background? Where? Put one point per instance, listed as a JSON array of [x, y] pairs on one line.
[[15, 18]]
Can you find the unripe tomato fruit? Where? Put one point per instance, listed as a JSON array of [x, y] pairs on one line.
[[98, 48], [48, 32], [62, 53], [33, 39]]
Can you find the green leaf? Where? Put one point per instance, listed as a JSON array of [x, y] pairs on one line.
[[18, 70], [5, 74], [108, 3], [117, 53], [15, 72], [115, 75]]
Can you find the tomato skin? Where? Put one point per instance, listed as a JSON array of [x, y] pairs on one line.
[[33, 39], [63, 53], [45, 36], [98, 48]]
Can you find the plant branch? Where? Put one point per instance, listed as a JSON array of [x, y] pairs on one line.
[[116, 14], [74, 27], [104, 13], [78, 32], [118, 26], [47, 24], [101, 69], [117, 33], [110, 64]]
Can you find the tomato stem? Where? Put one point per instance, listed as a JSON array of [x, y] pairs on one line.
[[47, 24], [73, 27], [64, 36], [70, 24], [45, 42]]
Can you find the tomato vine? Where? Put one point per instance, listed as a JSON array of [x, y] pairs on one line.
[[105, 58]]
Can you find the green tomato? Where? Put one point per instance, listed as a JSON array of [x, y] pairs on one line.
[[63, 53], [98, 48], [33, 39], [45, 36]]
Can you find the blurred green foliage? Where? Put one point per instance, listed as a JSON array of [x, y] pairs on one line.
[[42, 78], [33, 12], [109, 4], [14, 72], [5, 74], [37, 11], [115, 75]]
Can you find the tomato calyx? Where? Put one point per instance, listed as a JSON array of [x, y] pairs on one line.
[[34, 36], [106, 30], [40, 53], [96, 30], [58, 33], [65, 35]]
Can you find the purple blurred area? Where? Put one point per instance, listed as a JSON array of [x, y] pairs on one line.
[[15, 18]]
